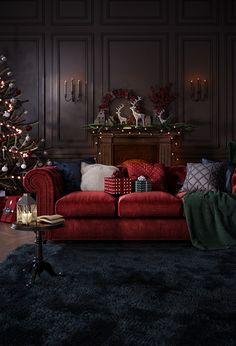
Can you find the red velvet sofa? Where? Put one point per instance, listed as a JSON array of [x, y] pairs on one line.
[[155, 215]]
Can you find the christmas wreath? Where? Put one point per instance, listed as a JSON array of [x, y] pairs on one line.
[[113, 103]]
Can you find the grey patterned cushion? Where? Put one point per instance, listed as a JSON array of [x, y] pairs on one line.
[[203, 177]]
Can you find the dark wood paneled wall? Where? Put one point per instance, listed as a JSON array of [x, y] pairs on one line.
[[131, 44]]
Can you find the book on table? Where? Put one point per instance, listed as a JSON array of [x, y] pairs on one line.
[[52, 219]]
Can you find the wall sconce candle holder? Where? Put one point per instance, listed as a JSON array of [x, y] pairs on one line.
[[198, 89], [74, 87]]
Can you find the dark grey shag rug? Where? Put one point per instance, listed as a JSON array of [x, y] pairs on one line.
[[131, 293]]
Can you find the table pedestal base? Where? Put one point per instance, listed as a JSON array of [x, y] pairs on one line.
[[38, 265], [36, 268]]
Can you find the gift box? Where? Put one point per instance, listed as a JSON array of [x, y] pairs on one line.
[[142, 186], [117, 186], [9, 211]]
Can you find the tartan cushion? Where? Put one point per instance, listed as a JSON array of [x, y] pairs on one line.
[[203, 177], [153, 172]]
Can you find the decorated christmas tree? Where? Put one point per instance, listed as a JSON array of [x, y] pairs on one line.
[[17, 147]]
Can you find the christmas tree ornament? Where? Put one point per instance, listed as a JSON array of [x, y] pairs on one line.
[[9, 73], [6, 114], [13, 149], [3, 58], [28, 127], [12, 100], [23, 166], [27, 138], [11, 85], [4, 168]]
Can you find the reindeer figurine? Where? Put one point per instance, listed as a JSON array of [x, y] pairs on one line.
[[162, 121], [137, 115], [122, 120]]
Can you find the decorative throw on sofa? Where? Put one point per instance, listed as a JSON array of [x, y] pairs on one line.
[[211, 219]]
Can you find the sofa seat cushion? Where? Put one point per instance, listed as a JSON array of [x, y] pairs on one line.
[[86, 204], [150, 204]]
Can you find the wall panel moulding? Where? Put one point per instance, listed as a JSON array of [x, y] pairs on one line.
[[72, 68], [194, 12], [134, 12], [198, 62], [73, 12], [145, 63], [23, 12], [230, 11]]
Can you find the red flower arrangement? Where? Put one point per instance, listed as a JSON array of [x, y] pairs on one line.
[[162, 97], [116, 93]]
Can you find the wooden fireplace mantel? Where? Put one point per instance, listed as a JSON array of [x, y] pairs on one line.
[[115, 147]]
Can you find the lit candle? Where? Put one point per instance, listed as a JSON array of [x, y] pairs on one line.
[[65, 87], [72, 89], [191, 89], [78, 81], [26, 218], [198, 89], [72, 85], [198, 85], [205, 88]]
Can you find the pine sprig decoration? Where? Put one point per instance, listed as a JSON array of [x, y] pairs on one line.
[[17, 147]]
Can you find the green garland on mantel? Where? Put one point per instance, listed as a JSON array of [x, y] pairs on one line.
[[166, 127]]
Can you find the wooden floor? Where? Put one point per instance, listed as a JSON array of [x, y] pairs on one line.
[[10, 239]]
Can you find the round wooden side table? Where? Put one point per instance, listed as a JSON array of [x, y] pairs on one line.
[[38, 265]]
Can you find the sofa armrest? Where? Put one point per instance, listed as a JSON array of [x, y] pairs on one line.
[[233, 182], [47, 184]]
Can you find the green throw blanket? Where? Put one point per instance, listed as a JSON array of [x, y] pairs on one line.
[[211, 219]]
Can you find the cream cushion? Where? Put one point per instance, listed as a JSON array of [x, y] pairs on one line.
[[92, 176]]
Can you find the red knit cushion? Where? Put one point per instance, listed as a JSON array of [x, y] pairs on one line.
[[154, 172]]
